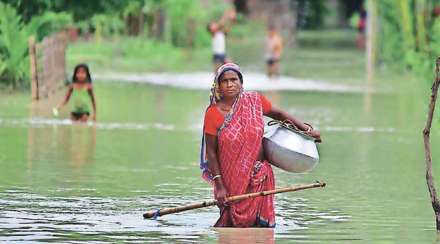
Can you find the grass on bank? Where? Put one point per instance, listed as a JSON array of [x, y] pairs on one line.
[[327, 55], [128, 54]]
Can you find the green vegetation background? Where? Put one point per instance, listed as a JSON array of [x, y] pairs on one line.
[[408, 38]]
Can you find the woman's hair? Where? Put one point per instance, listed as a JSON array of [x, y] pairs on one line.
[[228, 67], [86, 68]]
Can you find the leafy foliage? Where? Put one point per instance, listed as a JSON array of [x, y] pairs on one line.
[[178, 23], [106, 25], [13, 46], [311, 13], [14, 35], [409, 34]]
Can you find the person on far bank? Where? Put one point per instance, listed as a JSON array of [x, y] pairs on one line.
[[218, 32], [218, 43], [361, 26], [274, 49], [80, 95]]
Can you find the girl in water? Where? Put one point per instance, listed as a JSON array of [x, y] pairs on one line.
[[80, 91]]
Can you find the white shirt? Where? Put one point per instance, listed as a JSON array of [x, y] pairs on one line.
[[219, 43]]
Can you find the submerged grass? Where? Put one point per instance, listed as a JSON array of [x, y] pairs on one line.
[[136, 55]]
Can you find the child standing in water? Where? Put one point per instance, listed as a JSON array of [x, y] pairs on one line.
[[274, 49], [80, 91]]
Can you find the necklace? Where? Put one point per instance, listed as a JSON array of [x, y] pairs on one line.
[[225, 108]]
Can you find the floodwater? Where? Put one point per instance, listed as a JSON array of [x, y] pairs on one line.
[[64, 182]]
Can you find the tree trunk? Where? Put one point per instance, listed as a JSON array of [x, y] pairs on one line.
[[141, 23], [159, 24], [421, 12], [371, 40], [281, 14], [406, 23], [427, 144], [33, 66], [191, 26]]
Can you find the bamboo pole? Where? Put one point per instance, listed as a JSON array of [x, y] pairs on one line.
[[428, 159], [165, 211]]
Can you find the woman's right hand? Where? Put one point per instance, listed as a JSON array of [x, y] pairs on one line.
[[220, 193]]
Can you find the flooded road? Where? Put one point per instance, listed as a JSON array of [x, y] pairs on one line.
[[70, 182]]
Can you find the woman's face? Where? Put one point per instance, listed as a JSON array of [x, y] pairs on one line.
[[81, 75], [229, 84]]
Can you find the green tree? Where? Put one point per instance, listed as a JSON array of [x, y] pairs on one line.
[[408, 34]]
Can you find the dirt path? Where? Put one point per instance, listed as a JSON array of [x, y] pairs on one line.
[[252, 81]]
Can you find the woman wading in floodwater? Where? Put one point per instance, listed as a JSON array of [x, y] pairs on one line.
[[232, 144]]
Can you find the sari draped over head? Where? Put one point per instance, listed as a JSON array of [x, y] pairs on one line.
[[239, 143]]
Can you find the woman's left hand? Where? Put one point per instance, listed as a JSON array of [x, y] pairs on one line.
[[94, 117], [315, 134]]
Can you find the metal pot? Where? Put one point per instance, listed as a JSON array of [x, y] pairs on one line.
[[290, 150]]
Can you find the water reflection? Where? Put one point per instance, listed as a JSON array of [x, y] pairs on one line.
[[74, 144], [82, 141], [245, 235], [119, 219], [368, 94], [56, 147]]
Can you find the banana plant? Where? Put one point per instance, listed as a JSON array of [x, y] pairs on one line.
[[14, 35], [13, 50]]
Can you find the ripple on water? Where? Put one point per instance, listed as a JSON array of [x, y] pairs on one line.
[[120, 219], [47, 123]]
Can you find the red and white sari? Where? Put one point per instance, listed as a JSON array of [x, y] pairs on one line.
[[239, 144]]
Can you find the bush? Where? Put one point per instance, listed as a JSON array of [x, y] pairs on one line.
[[51, 22], [106, 25], [14, 35], [408, 35], [14, 65]]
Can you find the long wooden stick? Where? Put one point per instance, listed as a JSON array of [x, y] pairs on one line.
[[165, 211], [428, 159]]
